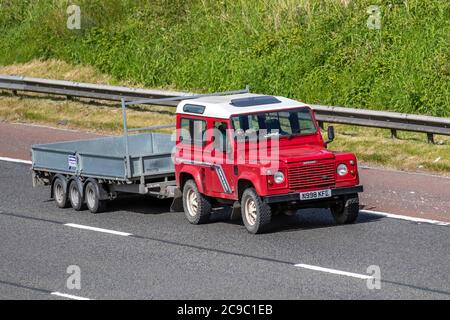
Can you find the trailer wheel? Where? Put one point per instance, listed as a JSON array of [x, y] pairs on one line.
[[60, 193], [92, 195], [75, 196], [255, 213], [347, 211], [197, 207]]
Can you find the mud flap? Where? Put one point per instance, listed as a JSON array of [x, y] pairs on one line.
[[177, 203], [235, 211]]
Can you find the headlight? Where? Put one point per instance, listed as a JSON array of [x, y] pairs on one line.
[[278, 177], [342, 169]]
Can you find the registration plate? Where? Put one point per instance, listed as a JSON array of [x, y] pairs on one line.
[[312, 195]]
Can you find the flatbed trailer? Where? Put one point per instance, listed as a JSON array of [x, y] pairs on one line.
[[91, 172], [145, 168]]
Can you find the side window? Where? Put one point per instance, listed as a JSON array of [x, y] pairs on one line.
[[221, 141], [192, 131], [198, 131], [285, 123], [306, 123], [185, 136]]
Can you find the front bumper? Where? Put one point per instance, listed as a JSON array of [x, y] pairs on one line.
[[294, 197]]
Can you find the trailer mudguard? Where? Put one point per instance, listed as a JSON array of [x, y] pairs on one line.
[[104, 195]]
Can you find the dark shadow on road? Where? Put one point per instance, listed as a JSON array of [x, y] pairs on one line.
[[304, 219], [139, 204]]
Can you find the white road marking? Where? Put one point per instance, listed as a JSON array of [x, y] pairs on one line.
[[334, 271], [15, 160], [68, 296], [80, 226], [408, 218]]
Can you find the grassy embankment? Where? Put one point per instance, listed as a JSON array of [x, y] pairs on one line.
[[315, 51]]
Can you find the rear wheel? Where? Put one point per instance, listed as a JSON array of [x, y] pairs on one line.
[[92, 195], [75, 196], [256, 214], [197, 207], [60, 193], [347, 210]]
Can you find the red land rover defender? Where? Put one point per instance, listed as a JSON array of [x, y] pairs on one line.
[[263, 155]]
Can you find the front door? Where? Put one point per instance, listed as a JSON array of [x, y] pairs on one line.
[[221, 176]]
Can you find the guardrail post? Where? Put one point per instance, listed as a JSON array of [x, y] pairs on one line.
[[14, 92], [430, 138], [321, 125], [125, 137], [394, 134]]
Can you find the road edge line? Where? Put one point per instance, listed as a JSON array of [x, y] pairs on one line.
[[333, 271], [407, 218], [68, 296], [7, 159], [83, 227]]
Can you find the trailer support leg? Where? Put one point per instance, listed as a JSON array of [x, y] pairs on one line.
[[235, 211], [177, 203]]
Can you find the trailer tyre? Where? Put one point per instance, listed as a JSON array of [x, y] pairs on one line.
[[347, 211], [60, 193], [92, 195], [256, 214], [197, 207], [75, 196]]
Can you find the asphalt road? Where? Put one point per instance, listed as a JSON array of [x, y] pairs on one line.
[[164, 257]]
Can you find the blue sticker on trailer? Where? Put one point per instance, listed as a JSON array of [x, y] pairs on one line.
[[73, 162]]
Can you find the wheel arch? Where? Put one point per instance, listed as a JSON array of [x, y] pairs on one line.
[[246, 181], [194, 174], [242, 185]]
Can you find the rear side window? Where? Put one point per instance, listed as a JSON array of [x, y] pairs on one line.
[[221, 141], [192, 131], [193, 108]]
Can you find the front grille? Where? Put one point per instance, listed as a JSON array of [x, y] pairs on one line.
[[318, 174]]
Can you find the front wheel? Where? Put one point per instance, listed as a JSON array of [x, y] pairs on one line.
[[197, 207], [256, 214], [347, 210]]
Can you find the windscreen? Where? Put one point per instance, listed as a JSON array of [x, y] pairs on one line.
[[282, 123]]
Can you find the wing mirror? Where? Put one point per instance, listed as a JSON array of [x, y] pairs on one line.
[[330, 133]]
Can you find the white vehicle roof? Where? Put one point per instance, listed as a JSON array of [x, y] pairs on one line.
[[224, 107]]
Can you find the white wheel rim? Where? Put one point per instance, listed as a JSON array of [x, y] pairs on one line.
[[250, 211], [59, 193], [90, 197], [74, 196], [192, 202]]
